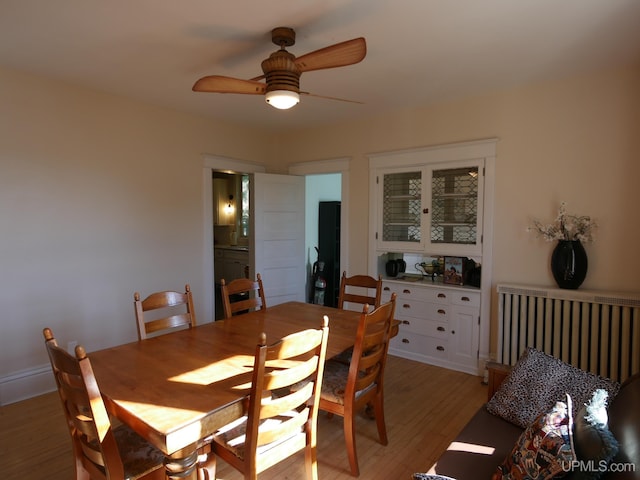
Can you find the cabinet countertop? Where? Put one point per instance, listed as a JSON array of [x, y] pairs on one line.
[[427, 281]]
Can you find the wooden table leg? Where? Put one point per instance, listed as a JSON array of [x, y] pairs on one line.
[[182, 465]]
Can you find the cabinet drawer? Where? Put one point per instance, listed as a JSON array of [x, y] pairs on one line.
[[421, 344], [465, 299], [414, 292], [421, 310], [424, 327]]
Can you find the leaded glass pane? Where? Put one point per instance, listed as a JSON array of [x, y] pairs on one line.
[[454, 205], [401, 207]]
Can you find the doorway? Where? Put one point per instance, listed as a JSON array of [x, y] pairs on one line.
[[213, 163], [321, 188], [230, 231]]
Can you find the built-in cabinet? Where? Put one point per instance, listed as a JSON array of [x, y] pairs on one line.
[[431, 203], [438, 325]]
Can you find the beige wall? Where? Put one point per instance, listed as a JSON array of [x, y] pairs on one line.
[[574, 140], [100, 196]]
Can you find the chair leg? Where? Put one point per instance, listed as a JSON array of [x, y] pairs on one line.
[[311, 462], [350, 440], [81, 473], [207, 466], [378, 405]]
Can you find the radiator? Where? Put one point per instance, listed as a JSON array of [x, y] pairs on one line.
[[596, 331]]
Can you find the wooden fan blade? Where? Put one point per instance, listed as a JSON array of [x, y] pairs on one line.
[[221, 84], [338, 55], [330, 98]]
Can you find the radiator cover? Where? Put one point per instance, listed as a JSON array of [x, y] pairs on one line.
[[596, 331]]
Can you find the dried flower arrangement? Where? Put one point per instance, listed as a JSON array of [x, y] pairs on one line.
[[566, 227]]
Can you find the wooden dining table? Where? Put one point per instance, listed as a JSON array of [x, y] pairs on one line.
[[176, 389]]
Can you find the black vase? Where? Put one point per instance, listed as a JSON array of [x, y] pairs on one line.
[[569, 264]]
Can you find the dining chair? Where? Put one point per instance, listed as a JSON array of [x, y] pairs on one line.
[[349, 388], [279, 421], [360, 289], [171, 310], [241, 295], [100, 450]]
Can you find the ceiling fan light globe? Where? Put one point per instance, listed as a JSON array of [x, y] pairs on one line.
[[282, 99]]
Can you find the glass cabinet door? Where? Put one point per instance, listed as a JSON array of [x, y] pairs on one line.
[[434, 209], [401, 207], [455, 194]]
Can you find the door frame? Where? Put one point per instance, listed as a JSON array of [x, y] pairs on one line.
[[220, 163], [336, 165], [211, 163]]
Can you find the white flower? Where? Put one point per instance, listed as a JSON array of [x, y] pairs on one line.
[[565, 227]]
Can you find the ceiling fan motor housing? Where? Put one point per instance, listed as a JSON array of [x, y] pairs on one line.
[[281, 72], [283, 36]]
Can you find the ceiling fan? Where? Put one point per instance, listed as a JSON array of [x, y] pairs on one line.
[[282, 70]]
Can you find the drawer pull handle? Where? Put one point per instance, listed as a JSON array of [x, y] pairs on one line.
[[441, 329], [406, 322], [386, 289], [442, 295], [406, 305], [405, 340], [465, 299], [440, 348], [406, 290], [441, 311]]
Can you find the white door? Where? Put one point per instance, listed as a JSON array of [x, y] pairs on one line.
[[277, 243]]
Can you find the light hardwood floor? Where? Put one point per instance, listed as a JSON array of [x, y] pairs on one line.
[[425, 407]]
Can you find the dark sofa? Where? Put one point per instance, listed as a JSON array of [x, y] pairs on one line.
[[487, 439]]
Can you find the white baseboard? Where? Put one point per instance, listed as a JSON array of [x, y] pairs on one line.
[[26, 384], [477, 370]]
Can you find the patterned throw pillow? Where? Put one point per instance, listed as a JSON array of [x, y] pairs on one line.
[[536, 381], [595, 444], [545, 448]]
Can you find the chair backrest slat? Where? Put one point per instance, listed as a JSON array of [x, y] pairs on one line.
[[241, 295], [174, 310], [370, 350], [360, 289]]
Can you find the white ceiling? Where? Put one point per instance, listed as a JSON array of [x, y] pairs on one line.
[[418, 51]]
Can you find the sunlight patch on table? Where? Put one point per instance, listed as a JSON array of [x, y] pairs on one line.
[[216, 371]]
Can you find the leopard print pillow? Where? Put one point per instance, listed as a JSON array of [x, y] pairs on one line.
[[537, 380]]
